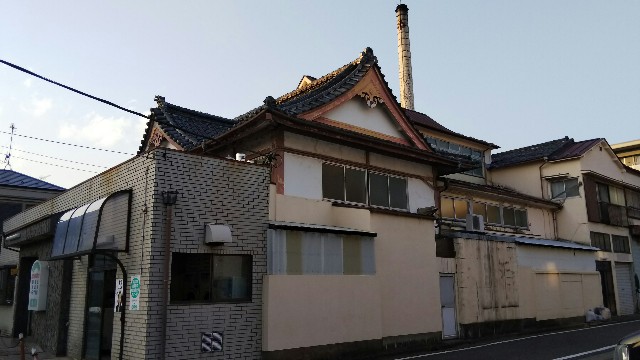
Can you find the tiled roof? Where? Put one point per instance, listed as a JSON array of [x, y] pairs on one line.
[[426, 121], [189, 128], [564, 148], [574, 149], [501, 191], [328, 87], [13, 178]]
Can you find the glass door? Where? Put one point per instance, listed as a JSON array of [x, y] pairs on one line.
[[93, 333]]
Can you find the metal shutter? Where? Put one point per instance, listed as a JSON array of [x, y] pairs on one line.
[[624, 289]]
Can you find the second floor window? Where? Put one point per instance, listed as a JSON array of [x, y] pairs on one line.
[[611, 204], [601, 241], [620, 244], [453, 208], [451, 148], [561, 189], [360, 186]]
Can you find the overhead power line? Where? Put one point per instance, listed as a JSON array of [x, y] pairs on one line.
[[55, 158], [61, 166], [186, 131], [63, 143], [72, 89]]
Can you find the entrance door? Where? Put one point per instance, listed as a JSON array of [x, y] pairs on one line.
[[21, 324], [606, 280], [99, 313], [448, 305]]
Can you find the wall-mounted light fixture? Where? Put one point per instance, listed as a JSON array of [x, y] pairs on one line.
[[170, 197]]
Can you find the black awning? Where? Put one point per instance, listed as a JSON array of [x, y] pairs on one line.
[[102, 225]]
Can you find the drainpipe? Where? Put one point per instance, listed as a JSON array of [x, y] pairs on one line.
[[169, 199], [554, 213]]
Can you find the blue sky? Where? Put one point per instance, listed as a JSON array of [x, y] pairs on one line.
[[509, 72]]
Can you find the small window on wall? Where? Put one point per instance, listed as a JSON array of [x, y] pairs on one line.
[[7, 284], [507, 216], [561, 189], [206, 278], [454, 208], [601, 241], [620, 244]]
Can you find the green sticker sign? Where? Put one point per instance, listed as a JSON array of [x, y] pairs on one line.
[[134, 294]]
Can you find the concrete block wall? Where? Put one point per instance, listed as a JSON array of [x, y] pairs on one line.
[[48, 326], [223, 192], [78, 291], [211, 190]]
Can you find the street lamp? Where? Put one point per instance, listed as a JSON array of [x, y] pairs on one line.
[[169, 197]]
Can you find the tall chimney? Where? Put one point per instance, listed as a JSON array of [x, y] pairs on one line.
[[404, 57]]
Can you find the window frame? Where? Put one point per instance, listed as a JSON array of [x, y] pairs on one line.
[[247, 268], [602, 237], [453, 148], [311, 253], [367, 187], [620, 244], [564, 193], [501, 214], [455, 200]]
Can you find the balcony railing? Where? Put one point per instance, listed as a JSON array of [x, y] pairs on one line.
[[613, 214]]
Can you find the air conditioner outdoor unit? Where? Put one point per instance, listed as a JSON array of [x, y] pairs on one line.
[[475, 222], [217, 233]]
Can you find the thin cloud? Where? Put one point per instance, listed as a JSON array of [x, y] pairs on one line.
[[97, 129], [38, 107], [27, 82]]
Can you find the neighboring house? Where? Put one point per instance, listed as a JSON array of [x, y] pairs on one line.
[[493, 239], [110, 243], [600, 199], [18, 192], [628, 152]]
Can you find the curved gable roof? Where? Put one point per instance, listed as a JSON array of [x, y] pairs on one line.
[[188, 128]]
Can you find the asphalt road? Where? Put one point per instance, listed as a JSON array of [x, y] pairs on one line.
[[593, 343]]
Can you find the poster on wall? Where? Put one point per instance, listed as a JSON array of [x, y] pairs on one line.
[[38, 286], [119, 295], [134, 293]]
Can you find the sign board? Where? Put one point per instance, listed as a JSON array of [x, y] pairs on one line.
[[211, 341], [38, 286], [119, 295], [134, 293]]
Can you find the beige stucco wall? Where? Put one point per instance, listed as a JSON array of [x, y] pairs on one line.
[[408, 273], [356, 112], [400, 299], [310, 211], [525, 178], [556, 295], [309, 310]]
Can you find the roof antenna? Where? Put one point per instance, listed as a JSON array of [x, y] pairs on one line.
[[7, 156]]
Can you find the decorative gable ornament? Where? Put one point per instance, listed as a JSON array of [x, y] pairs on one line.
[[156, 137], [371, 100]]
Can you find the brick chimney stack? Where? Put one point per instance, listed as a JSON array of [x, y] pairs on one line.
[[404, 57]]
